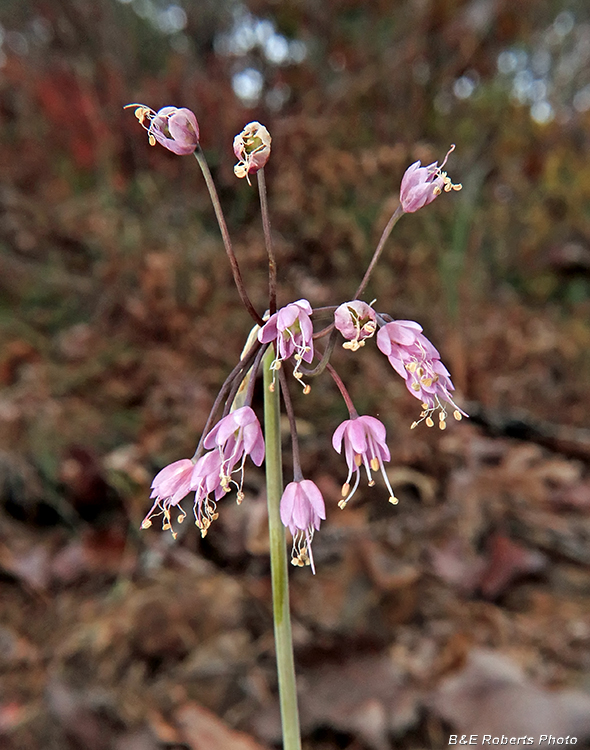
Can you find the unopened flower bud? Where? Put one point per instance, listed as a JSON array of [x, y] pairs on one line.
[[252, 148]]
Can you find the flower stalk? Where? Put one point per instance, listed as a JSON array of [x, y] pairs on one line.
[[233, 261], [278, 560]]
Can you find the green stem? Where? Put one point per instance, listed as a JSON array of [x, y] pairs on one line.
[[278, 560]]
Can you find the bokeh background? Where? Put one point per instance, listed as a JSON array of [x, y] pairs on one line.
[[464, 609]]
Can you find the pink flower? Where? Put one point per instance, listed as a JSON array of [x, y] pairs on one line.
[[421, 185], [207, 479], [175, 129], [364, 444], [292, 331], [302, 509], [356, 321], [413, 357], [236, 436], [252, 148], [169, 487]]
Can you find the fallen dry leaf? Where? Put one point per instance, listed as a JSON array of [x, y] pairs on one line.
[[492, 695], [203, 730]]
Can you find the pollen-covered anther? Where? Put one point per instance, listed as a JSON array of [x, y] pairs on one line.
[[413, 425], [411, 366], [394, 500], [442, 425], [374, 463], [457, 415], [271, 388], [429, 422], [371, 483], [358, 459], [298, 375], [415, 386], [239, 497], [344, 492], [306, 390], [342, 504], [180, 519], [427, 382], [146, 523]]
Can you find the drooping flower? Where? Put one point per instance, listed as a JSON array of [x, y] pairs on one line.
[[169, 487], [418, 362], [364, 445], [302, 509], [421, 185], [236, 436], [356, 321], [207, 482], [174, 128], [252, 148], [292, 331]]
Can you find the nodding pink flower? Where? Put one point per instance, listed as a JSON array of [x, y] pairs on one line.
[[292, 331], [302, 509], [414, 357], [175, 129], [236, 436], [207, 479], [364, 445], [421, 185], [252, 148], [169, 487], [356, 321]]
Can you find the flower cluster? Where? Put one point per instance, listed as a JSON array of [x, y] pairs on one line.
[[288, 335]]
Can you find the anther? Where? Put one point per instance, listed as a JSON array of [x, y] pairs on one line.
[[306, 390], [166, 525], [180, 519], [372, 483], [394, 500], [429, 422], [442, 425], [271, 387], [413, 425], [358, 459], [457, 414], [239, 497], [415, 386], [342, 504], [146, 523], [345, 490], [374, 463], [151, 140]]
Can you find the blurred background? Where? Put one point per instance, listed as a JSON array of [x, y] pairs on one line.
[[466, 608]]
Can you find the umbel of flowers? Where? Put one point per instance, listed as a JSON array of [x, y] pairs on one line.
[[233, 432]]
